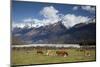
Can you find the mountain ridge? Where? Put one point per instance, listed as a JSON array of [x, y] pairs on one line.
[[57, 34]]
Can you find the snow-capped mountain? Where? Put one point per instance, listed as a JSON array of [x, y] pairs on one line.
[[56, 33]]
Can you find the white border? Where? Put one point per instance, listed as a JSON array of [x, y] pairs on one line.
[[5, 33], [89, 2]]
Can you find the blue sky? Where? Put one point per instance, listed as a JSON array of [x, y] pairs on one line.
[[22, 10]]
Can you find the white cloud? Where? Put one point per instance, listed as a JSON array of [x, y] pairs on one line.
[[70, 20], [75, 8], [50, 14], [88, 8], [28, 20]]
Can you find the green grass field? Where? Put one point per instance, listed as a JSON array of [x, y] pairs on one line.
[[24, 57]]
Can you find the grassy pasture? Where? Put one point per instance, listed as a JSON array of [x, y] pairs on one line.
[[26, 57]]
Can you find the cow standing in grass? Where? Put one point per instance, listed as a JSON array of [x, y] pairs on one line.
[[86, 52], [62, 53], [39, 52], [50, 53]]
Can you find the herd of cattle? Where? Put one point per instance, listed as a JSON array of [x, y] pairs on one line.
[[63, 53], [54, 53]]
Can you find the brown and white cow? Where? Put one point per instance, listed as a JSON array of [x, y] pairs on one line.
[[50, 53], [62, 53]]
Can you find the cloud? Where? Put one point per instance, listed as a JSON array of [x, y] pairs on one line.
[[89, 8], [70, 20], [28, 20], [75, 8], [50, 14]]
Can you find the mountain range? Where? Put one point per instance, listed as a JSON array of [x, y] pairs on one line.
[[56, 33]]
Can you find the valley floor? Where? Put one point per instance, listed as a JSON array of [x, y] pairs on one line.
[[26, 57]]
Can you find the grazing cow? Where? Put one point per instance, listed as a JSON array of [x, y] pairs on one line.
[[50, 53], [87, 53], [39, 52], [81, 50], [62, 53]]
